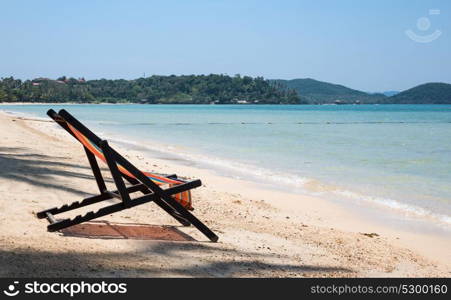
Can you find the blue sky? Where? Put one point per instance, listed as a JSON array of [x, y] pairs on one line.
[[360, 44]]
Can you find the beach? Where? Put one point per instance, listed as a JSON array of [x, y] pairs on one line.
[[263, 232]]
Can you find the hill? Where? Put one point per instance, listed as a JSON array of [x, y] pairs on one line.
[[428, 93], [318, 92]]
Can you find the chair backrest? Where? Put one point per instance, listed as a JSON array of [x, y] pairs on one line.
[[92, 142]]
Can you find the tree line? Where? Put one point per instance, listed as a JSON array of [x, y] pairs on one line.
[[184, 89]]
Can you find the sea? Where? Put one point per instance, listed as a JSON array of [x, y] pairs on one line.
[[388, 161]]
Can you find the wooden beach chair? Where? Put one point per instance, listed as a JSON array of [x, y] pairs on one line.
[[175, 199]]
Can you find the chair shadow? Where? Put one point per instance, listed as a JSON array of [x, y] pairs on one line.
[[136, 231]]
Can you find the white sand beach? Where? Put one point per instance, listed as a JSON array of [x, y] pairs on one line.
[[262, 232]]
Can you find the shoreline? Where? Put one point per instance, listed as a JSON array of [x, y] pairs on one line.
[[415, 216], [294, 210]]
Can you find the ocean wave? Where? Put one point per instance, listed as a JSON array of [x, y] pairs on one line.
[[398, 206]]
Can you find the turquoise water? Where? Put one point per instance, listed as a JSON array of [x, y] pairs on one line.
[[393, 156]]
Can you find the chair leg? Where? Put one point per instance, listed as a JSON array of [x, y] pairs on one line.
[[96, 171], [191, 218], [115, 173]]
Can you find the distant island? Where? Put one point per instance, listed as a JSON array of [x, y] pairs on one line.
[[209, 89], [312, 91], [431, 93]]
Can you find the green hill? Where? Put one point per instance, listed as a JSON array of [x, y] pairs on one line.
[[428, 93], [319, 92]]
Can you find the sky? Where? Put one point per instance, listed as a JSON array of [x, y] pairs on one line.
[[360, 44]]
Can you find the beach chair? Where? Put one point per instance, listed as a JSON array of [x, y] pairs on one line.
[[175, 198]]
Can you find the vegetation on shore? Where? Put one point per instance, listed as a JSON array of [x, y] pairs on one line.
[[185, 89]]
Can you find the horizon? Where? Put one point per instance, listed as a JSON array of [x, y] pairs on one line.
[[362, 46]]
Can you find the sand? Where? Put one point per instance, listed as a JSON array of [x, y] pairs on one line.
[[262, 232]]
